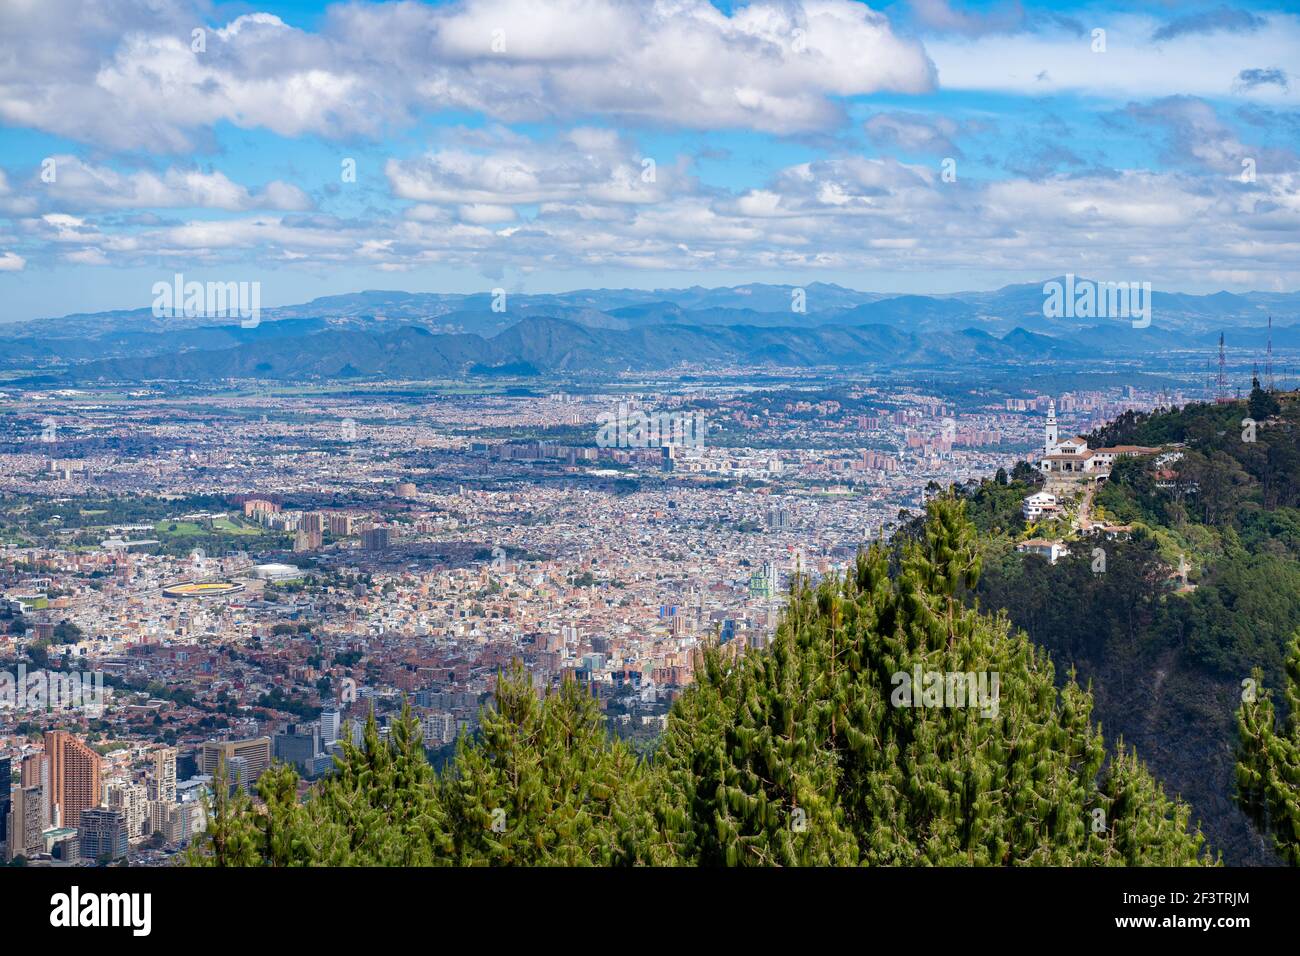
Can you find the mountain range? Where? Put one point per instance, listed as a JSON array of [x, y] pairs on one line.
[[398, 334]]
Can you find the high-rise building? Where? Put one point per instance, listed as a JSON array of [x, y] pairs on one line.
[[5, 800], [244, 759], [341, 525], [299, 745], [161, 819], [36, 773], [329, 727], [778, 517], [75, 777], [62, 844], [311, 523], [375, 539], [162, 783], [439, 729], [33, 770], [239, 774], [25, 826], [102, 834], [133, 801], [765, 583], [256, 507], [175, 822]]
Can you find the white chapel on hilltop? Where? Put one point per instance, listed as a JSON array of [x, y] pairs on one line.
[[1073, 457]]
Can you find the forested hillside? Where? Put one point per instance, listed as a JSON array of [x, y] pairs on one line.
[[832, 746], [1166, 662]]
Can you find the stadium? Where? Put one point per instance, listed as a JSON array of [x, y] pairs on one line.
[[198, 590]]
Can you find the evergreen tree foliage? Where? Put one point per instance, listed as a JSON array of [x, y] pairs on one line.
[[804, 753], [231, 837], [379, 808], [1262, 404], [1268, 761], [543, 785], [814, 725]]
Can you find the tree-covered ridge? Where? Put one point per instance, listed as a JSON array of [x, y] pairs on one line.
[[804, 753], [1220, 505], [1166, 661], [812, 725], [1229, 464]]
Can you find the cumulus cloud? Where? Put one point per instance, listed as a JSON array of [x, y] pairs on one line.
[[80, 187], [1250, 79], [846, 213], [486, 213], [1222, 19], [941, 17], [914, 133], [489, 198], [593, 165], [1196, 63], [1197, 136], [770, 65], [86, 257]]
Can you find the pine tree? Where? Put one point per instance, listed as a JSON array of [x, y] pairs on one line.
[[815, 723], [1268, 761], [544, 785], [379, 808], [833, 746], [231, 837]]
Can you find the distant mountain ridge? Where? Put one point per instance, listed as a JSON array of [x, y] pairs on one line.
[[554, 345], [615, 330], [1003, 309]]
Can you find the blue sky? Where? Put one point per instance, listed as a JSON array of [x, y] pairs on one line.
[[541, 145]]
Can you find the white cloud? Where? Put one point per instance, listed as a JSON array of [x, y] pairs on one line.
[[848, 214], [940, 16], [128, 78], [582, 165], [1132, 66], [489, 197], [86, 257], [83, 187], [1198, 138], [486, 214], [914, 133], [252, 234]]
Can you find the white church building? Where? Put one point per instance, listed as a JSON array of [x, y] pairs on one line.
[[1072, 457]]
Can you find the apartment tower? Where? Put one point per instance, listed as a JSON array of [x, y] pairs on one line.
[[75, 777]]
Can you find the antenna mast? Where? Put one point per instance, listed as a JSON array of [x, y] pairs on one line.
[[1268, 361], [1221, 384]]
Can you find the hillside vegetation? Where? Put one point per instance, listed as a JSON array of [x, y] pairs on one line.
[[812, 751], [1166, 663]]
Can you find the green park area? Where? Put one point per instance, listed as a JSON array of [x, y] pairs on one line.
[[193, 529]]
